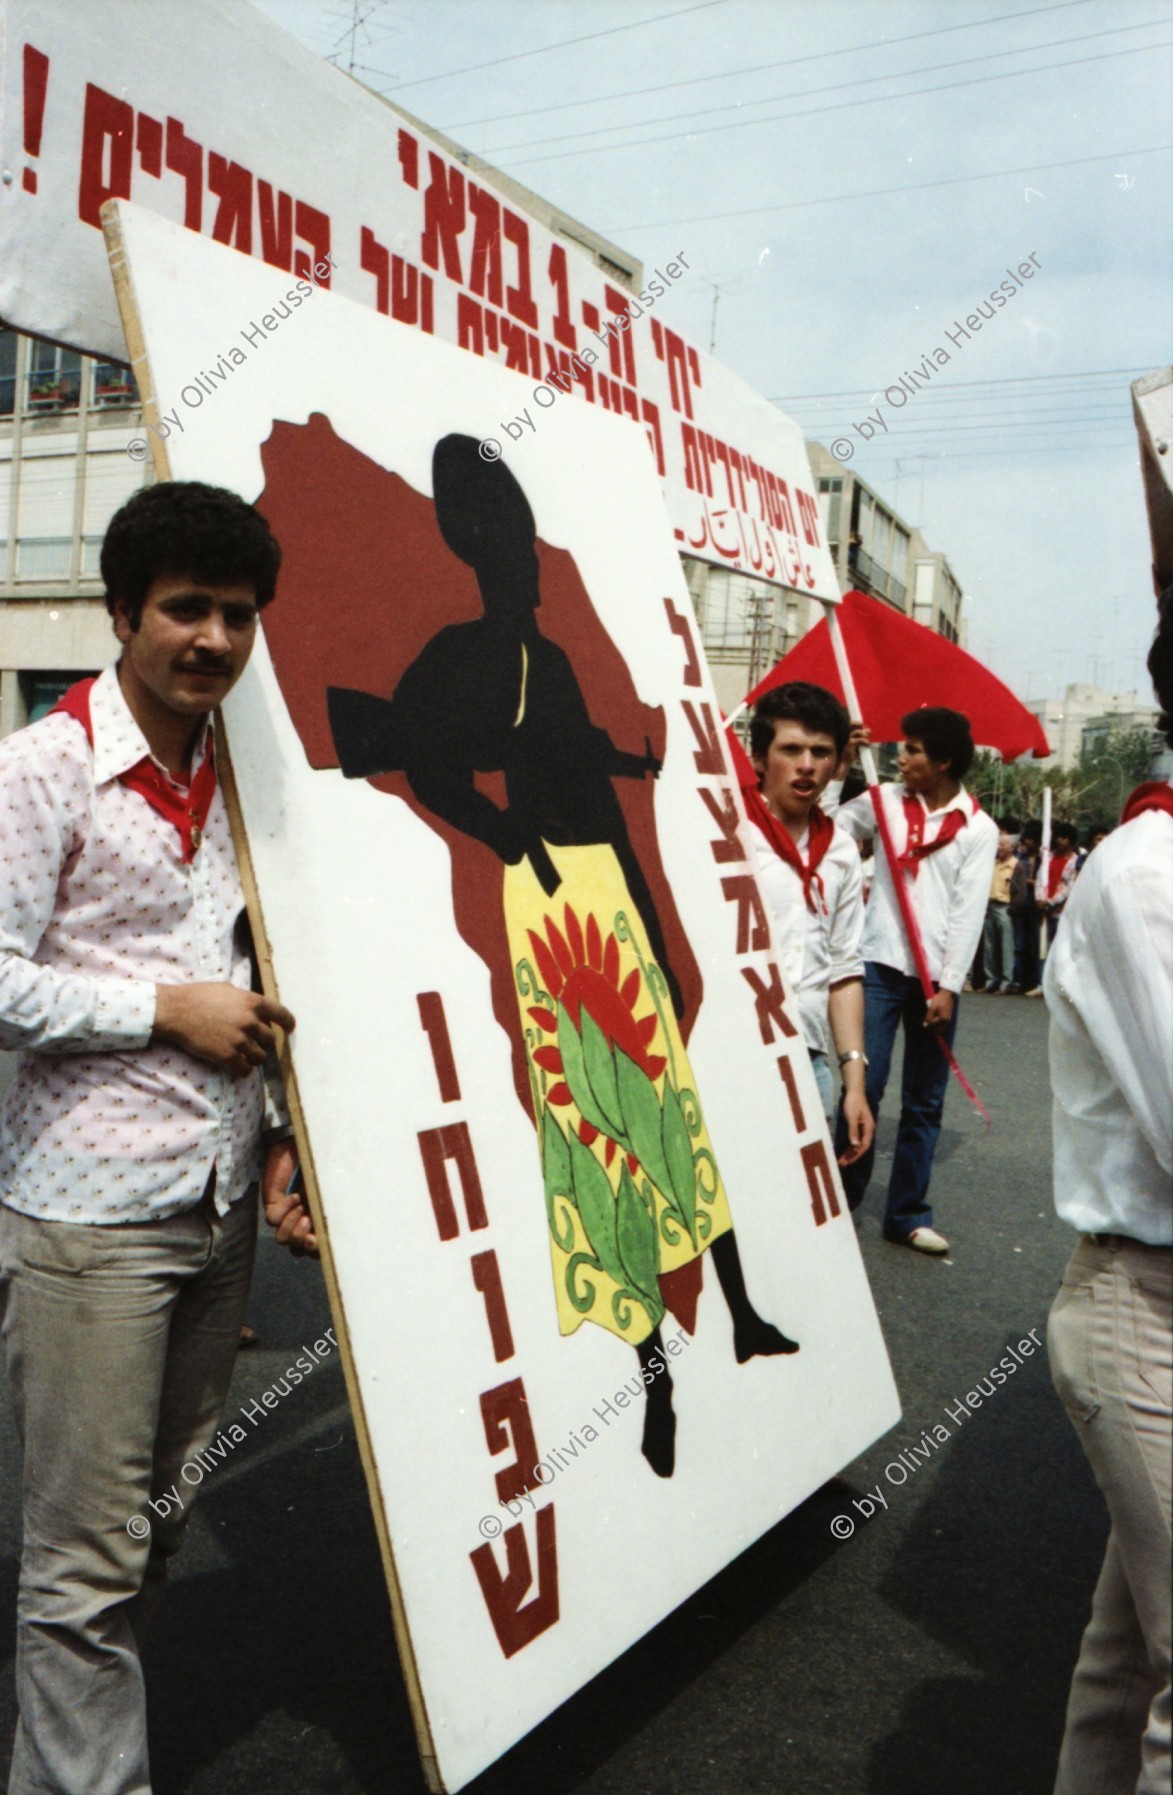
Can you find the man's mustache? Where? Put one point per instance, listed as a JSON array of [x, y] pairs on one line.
[[205, 665]]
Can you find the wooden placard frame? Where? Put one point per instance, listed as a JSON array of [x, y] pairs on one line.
[[136, 346]]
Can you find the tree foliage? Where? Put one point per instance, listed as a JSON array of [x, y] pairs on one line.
[[1090, 792]]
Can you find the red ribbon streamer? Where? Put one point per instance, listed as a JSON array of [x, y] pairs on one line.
[[912, 930]]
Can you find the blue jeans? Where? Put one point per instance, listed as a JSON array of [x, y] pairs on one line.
[[821, 1067], [892, 999]]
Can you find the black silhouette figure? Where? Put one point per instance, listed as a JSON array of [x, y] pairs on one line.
[[496, 695]]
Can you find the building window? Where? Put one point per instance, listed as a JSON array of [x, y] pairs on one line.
[[113, 385], [43, 558], [54, 381], [91, 550], [7, 373]]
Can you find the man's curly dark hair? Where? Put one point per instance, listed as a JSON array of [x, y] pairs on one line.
[[190, 531]]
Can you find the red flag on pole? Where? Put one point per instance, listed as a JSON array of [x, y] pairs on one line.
[[900, 665]]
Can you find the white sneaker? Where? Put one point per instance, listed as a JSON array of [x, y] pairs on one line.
[[927, 1240]]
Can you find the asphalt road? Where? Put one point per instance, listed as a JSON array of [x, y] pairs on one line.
[[929, 1652]]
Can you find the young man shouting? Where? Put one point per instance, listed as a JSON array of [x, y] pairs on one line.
[[136, 1129], [946, 847], [811, 874]]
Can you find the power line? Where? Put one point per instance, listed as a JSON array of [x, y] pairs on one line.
[[1007, 380], [914, 93], [564, 43], [634, 93], [834, 199], [811, 93]]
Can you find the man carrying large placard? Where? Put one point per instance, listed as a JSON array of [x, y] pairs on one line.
[[132, 1138]]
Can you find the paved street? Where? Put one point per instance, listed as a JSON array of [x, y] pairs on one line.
[[928, 1653]]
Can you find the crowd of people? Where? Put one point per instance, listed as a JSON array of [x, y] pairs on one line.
[[147, 1115], [1028, 893]]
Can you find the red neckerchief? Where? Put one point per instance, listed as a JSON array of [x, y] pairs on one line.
[[1055, 872], [821, 834], [917, 848], [1157, 795], [187, 811]]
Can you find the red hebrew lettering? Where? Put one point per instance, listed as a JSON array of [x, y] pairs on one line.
[[651, 417], [492, 333], [768, 1000], [313, 227], [786, 510], [36, 83], [515, 341], [443, 217], [405, 285], [618, 304], [149, 138], [470, 324], [724, 453], [753, 931], [437, 1147], [186, 157], [514, 1622], [486, 1275], [426, 290], [276, 226], [106, 120], [373, 258], [791, 1085], [809, 512], [435, 1024], [590, 315], [519, 300], [485, 266], [535, 356], [409, 158], [722, 807], [679, 625], [696, 472], [708, 750], [505, 1413], [736, 465], [232, 184], [820, 1181], [681, 361], [563, 323]]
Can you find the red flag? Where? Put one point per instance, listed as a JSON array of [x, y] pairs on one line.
[[900, 665]]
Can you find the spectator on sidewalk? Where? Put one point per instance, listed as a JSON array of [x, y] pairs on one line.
[[1024, 915], [998, 938], [1062, 867]]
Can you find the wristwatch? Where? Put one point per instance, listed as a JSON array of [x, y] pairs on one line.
[[855, 1054]]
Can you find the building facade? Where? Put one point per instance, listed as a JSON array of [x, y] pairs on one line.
[[877, 552]]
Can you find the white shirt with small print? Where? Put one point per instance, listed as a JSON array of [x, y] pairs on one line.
[[97, 907], [949, 893], [818, 948]]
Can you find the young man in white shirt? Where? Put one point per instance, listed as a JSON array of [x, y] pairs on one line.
[[1109, 989], [811, 874], [946, 846], [132, 1138]]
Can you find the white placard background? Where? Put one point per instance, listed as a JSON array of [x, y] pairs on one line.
[[356, 896]]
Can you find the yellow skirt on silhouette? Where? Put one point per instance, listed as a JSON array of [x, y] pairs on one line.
[[632, 1187]]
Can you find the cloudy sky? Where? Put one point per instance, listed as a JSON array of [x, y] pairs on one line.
[[846, 179]]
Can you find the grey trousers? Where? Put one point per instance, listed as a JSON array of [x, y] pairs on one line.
[[121, 1343], [1110, 1340]]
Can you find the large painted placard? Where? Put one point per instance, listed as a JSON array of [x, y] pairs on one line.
[[602, 1304], [212, 116]]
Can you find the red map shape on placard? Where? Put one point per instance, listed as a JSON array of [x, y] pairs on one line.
[[366, 582]]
